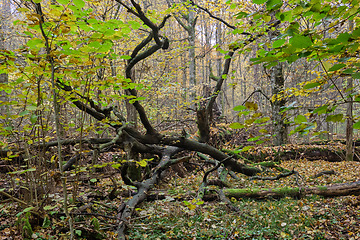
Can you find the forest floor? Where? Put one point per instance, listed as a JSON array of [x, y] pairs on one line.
[[178, 215]]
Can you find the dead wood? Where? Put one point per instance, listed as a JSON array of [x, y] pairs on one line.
[[281, 175], [329, 153], [127, 209], [344, 189], [330, 172]]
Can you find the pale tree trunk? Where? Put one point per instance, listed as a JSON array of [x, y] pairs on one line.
[[349, 125], [221, 99], [189, 26], [131, 114], [192, 62], [3, 76], [5, 12], [277, 83], [280, 127], [349, 115]]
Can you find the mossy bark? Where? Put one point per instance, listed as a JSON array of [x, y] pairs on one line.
[[326, 191]]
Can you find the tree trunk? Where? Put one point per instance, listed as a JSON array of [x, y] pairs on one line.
[[192, 62], [325, 191], [280, 127], [349, 115], [3, 76], [349, 124]]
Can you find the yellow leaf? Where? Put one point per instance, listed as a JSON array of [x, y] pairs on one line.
[[251, 106], [65, 29], [142, 163], [52, 159]]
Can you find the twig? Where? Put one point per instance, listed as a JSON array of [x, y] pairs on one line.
[[281, 175]]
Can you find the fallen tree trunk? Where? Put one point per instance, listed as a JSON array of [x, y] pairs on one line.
[[344, 189], [126, 210], [331, 153]]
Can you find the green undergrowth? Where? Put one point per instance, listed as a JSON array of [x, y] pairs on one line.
[[285, 218]]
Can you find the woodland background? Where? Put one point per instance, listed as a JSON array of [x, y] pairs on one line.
[[156, 119]]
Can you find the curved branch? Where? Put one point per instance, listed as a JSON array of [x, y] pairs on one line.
[[230, 163], [127, 209]]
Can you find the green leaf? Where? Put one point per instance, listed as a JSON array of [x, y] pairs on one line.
[[312, 85], [116, 166], [126, 57], [28, 209], [349, 71], [95, 223], [246, 148], [241, 15], [259, 1], [335, 118], [63, 2], [300, 119], [34, 43], [356, 75], [356, 125], [337, 67], [321, 110], [254, 139], [273, 4], [31, 108], [33, 118], [8, 128], [106, 46], [199, 202], [343, 37], [278, 43], [299, 41], [79, 3], [236, 125], [23, 113], [46, 223], [239, 108], [78, 232], [49, 207], [22, 9], [134, 25], [356, 32], [93, 180]]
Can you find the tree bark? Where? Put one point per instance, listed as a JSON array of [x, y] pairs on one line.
[[3, 76], [280, 127], [349, 115], [325, 191], [349, 124]]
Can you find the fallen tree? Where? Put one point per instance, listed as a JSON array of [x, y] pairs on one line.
[[344, 189]]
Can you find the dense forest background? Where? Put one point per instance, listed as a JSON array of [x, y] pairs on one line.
[[114, 110]]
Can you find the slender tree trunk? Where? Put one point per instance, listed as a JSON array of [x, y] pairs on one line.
[[3, 76], [221, 99], [192, 61], [5, 12], [349, 115], [280, 127], [349, 124]]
